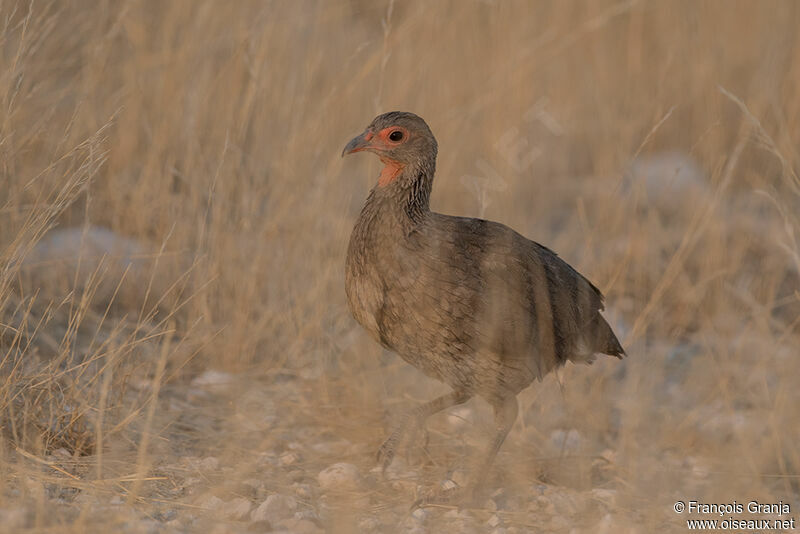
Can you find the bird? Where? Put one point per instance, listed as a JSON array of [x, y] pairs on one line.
[[467, 301]]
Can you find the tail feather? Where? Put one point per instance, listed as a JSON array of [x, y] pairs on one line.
[[605, 339]]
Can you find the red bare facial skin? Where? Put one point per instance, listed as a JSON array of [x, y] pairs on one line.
[[392, 167], [390, 172], [383, 135], [380, 143]]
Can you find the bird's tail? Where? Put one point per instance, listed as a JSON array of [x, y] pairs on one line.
[[605, 339]]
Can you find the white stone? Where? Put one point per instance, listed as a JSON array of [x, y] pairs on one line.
[[340, 477], [87, 244], [274, 508], [77, 254], [460, 477], [448, 484], [303, 491], [420, 515], [669, 180], [238, 509], [289, 458], [307, 515], [567, 440], [191, 481], [212, 503], [212, 378], [369, 524]]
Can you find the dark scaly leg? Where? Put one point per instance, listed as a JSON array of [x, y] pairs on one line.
[[417, 416], [505, 414]]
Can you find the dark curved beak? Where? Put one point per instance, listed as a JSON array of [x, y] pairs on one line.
[[358, 143]]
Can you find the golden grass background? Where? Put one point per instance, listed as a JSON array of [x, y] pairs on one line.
[[209, 133]]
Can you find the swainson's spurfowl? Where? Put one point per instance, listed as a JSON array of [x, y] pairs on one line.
[[467, 301]]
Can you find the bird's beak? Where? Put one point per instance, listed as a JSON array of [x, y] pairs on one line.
[[362, 142]]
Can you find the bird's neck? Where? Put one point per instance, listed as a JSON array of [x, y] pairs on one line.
[[399, 205], [408, 193]]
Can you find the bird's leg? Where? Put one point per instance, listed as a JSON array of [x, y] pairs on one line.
[[417, 416], [505, 414], [412, 437]]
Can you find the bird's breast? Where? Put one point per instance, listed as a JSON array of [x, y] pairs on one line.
[[369, 260]]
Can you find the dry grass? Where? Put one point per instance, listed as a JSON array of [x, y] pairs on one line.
[[210, 133]]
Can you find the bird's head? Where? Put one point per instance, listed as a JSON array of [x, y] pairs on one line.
[[400, 139]]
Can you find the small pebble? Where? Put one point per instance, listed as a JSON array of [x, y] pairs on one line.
[[166, 516], [238, 509], [340, 477], [448, 484], [420, 514], [289, 458], [302, 491], [566, 440], [213, 378], [274, 508], [460, 477], [212, 503], [307, 515], [606, 496], [369, 524]]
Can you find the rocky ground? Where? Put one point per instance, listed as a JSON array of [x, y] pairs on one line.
[[239, 453]]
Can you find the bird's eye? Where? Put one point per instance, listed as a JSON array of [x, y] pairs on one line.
[[396, 135]]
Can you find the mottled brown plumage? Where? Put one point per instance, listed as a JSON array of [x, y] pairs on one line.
[[467, 301]]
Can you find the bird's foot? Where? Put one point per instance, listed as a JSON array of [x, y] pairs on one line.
[[448, 494], [386, 451], [413, 438]]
